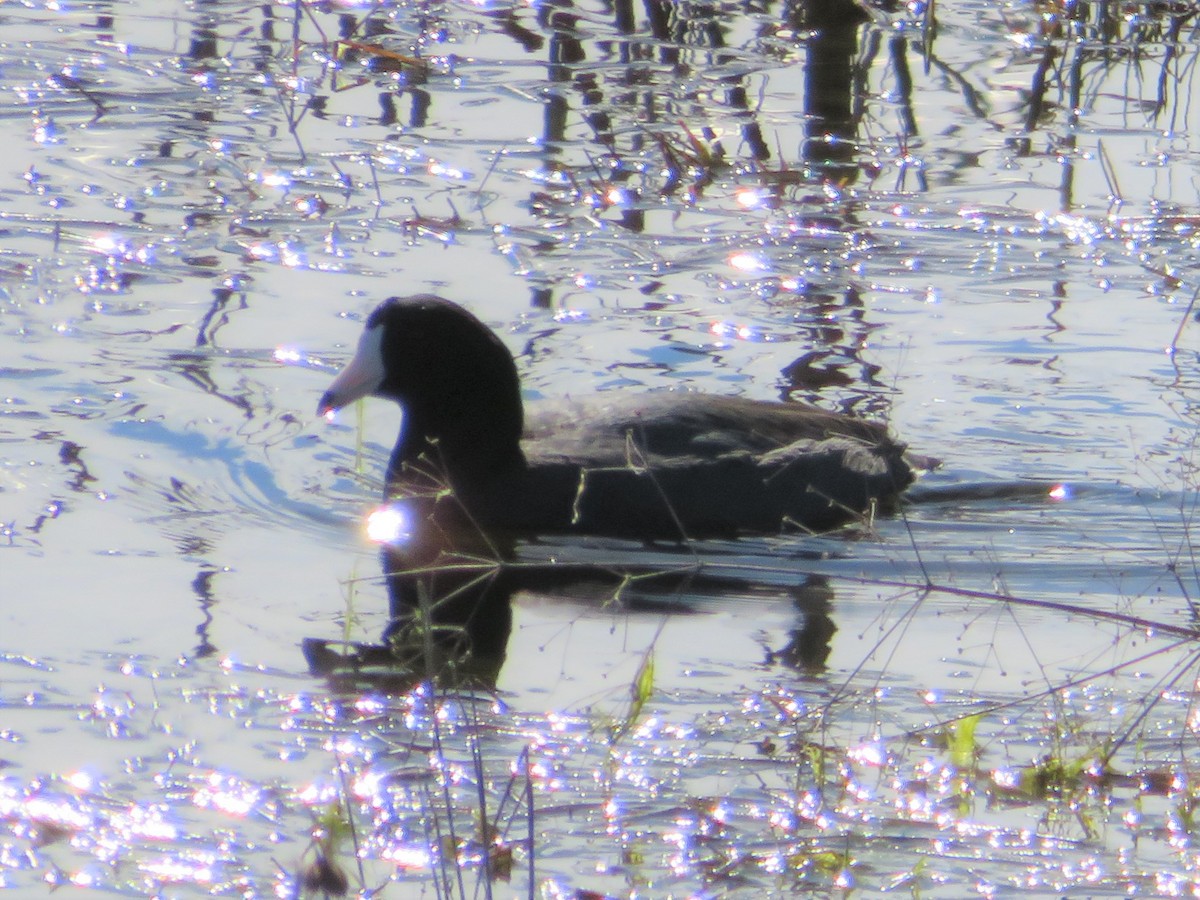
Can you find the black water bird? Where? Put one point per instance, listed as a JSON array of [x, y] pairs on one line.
[[473, 475]]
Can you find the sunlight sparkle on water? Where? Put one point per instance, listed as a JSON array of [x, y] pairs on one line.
[[749, 198], [179, 871], [1060, 492], [616, 196], [145, 822], [871, 754], [227, 795], [281, 252], [553, 177], [733, 330], [437, 168], [119, 247], [748, 262], [272, 179], [292, 258], [46, 133], [43, 811], [344, 746], [1007, 778], [309, 206], [319, 794], [408, 857], [81, 781], [369, 784], [370, 706], [389, 524]]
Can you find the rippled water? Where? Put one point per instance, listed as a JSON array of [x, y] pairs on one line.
[[635, 197]]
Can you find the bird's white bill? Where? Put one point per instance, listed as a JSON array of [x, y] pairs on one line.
[[362, 375]]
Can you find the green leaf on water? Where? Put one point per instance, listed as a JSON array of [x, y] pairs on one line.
[[961, 741], [640, 691]]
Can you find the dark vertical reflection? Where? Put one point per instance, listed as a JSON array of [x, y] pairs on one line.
[[564, 50], [810, 643], [661, 14], [898, 47], [203, 49], [202, 588], [1070, 138], [105, 24], [204, 41], [830, 124], [217, 315]]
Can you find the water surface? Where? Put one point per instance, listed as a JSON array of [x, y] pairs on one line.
[[635, 198]]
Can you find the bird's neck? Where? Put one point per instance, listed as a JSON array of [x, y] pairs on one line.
[[467, 462]]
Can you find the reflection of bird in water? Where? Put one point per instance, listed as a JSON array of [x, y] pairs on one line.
[[470, 475], [809, 643]]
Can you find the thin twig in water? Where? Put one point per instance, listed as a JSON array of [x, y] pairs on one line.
[[346, 797], [484, 181], [70, 83], [530, 834], [928, 30], [486, 842], [1166, 684], [1173, 556], [1110, 174], [1107, 615], [1056, 688], [912, 540], [632, 451], [451, 846]]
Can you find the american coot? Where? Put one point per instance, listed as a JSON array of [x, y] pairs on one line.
[[474, 476]]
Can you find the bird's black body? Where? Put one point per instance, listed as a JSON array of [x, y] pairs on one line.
[[478, 475]]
